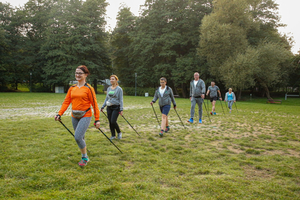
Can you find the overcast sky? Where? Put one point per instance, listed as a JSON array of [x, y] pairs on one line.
[[288, 10]]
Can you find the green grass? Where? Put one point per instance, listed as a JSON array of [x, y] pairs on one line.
[[252, 154]]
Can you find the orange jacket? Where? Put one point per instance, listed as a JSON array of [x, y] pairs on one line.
[[81, 99]]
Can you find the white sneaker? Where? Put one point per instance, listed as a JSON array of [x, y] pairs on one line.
[[113, 137], [119, 136]]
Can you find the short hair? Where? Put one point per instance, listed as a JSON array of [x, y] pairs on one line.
[[230, 89], [163, 79], [197, 73], [84, 69]]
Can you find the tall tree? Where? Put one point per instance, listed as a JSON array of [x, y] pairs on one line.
[[121, 41], [238, 40], [33, 21], [163, 41], [75, 37], [12, 70]]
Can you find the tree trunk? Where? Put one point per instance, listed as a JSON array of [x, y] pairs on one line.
[[184, 91], [175, 91], [95, 85], [16, 85], [239, 96], [265, 87], [53, 88]]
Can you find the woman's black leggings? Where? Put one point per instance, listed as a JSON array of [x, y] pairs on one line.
[[113, 114]]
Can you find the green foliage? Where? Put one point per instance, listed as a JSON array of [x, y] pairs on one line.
[[121, 42], [73, 38], [139, 91], [50, 39], [161, 42], [242, 45]]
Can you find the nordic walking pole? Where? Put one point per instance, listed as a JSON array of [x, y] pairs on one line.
[[69, 131], [109, 139], [236, 107], [207, 104], [222, 106], [206, 110], [226, 105], [105, 114], [155, 114], [130, 125], [179, 118]]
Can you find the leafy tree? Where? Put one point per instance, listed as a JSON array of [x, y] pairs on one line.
[[242, 44], [163, 42], [121, 41], [33, 21], [75, 37], [12, 70]]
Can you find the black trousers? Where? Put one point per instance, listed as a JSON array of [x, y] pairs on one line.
[[113, 114]]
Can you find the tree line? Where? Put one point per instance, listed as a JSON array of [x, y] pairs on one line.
[[50, 38], [234, 42]]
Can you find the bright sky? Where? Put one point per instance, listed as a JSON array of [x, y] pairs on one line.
[[288, 10]]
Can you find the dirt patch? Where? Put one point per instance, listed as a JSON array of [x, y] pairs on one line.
[[288, 152], [253, 173], [28, 112], [235, 150]]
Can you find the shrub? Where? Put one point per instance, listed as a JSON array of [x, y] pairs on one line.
[[130, 91]]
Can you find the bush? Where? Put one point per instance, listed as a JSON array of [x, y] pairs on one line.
[[38, 87], [130, 91]]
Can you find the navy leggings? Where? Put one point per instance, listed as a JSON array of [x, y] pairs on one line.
[[113, 114]]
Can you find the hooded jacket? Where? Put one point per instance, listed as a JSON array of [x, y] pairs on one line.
[[167, 97], [198, 90]]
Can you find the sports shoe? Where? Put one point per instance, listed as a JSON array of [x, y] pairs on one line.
[[200, 121], [167, 129], [211, 113], [161, 133], [112, 137], [119, 136], [83, 162], [215, 113], [191, 120]]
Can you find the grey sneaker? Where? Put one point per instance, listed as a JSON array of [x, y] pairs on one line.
[[112, 137], [119, 136]]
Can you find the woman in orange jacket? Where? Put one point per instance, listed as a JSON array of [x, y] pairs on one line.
[[82, 96]]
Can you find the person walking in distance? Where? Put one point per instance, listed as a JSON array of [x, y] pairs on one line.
[[114, 103], [197, 95], [230, 98], [214, 90], [165, 95], [82, 96]]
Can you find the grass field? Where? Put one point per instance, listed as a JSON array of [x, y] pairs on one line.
[[252, 154]]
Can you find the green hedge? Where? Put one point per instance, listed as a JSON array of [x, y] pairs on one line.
[[139, 91]]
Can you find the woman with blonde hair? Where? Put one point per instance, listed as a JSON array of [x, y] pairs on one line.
[[230, 98], [114, 103]]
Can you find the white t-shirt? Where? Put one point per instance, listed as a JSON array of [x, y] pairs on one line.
[[195, 83], [162, 91]]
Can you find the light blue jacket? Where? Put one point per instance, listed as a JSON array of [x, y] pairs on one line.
[[233, 96]]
